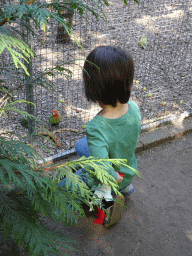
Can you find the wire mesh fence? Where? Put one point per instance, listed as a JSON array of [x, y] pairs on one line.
[[157, 33]]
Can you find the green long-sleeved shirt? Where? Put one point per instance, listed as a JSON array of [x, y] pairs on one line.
[[115, 138]]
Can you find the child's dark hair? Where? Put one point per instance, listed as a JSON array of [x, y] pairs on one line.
[[113, 79]]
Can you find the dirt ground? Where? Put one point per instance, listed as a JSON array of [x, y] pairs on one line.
[[158, 219]]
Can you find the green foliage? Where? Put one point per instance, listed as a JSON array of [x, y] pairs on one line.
[[18, 49], [9, 107], [22, 203]]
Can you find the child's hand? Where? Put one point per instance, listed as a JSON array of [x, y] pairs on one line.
[[119, 179]]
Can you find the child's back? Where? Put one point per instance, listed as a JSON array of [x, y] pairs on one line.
[[110, 137]]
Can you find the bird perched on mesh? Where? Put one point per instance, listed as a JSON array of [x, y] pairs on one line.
[[55, 118]]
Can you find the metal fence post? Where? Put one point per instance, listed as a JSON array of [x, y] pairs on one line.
[[29, 86]]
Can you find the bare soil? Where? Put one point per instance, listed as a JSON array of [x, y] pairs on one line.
[[163, 66]]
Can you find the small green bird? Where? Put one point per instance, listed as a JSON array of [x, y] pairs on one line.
[[143, 41], [55, 119]]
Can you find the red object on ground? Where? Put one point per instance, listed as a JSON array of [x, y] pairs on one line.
[[100, 216], [100, 213]]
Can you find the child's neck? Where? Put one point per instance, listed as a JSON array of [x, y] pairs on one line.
[[110, 112]]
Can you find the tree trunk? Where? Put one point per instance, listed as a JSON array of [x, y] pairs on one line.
[[62, 35]]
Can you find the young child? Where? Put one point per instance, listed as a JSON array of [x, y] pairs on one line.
[[114, 131]]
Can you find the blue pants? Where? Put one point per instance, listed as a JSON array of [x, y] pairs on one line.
[[82, 149]]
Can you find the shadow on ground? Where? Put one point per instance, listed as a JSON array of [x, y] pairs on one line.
[[158, 220]]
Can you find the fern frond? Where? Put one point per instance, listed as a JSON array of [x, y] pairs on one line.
[[37, 238], [94, 166], [10, 9], [77, 6], [9, 107], [105, 163], [9, 41], [137, 2]]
